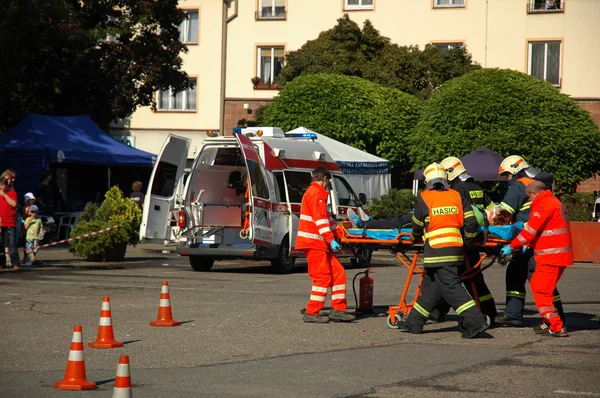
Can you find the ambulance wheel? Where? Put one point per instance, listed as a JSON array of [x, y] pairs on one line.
[[399, 318], [284, 263], [363, 257], [201, 263]]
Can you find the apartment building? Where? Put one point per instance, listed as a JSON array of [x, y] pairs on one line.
[[555, 40]]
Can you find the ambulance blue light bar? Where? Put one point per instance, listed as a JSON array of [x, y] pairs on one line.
[[237, 130], [309, 136]]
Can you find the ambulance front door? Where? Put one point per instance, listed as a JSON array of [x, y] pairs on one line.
[[260, 229], [162, 191]]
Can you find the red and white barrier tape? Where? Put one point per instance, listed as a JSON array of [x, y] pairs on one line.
[[79, 237]]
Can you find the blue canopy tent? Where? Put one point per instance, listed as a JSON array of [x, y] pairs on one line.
[[39, 141]]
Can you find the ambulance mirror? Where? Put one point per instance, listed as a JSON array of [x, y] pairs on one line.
[[363, 198]]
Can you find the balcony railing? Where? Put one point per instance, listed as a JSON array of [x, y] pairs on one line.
[[270, 15], [545, 6]]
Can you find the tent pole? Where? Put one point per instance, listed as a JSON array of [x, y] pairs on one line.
[[108, 178]]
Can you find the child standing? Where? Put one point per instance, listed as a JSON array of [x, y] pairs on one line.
[[33, 225]]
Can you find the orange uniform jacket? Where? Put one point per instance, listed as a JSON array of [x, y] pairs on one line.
[[547, 231], [316, 228]]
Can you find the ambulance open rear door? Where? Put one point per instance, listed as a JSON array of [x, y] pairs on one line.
[[260, 231], [162, 191]]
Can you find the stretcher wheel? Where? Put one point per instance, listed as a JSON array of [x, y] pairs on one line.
[[399, 318]]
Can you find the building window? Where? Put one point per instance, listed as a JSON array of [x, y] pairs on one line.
[[358, 4], [448, 3], [444, 47], [168, 100], [544, 60], [271, 9], [544, 6], [188, 29], [270, 63]]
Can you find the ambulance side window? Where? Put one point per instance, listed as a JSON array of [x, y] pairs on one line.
[[346, 196], [279, 186], [297, 183], [258, 180], [164, 179]]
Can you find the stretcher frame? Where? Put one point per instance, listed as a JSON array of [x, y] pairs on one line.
[[490, 248]]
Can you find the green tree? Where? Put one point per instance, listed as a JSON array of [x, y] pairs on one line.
[[393, 203], [55, 57], [346, 49], [355, 111], [513, 114]]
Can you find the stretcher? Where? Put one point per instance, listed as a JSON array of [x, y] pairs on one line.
[[400, 243]]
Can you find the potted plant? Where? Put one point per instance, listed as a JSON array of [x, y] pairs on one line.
[[111, 245]]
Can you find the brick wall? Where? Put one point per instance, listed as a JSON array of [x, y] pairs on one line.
[[592, 105], [235, 111]]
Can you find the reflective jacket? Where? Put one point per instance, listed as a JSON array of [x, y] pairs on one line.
[[474, 192], [316, 228], [439, 216], [516, 200], [547, 231]]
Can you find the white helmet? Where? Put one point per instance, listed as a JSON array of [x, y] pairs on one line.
[[512, 164], [435, 174], [29, 196], [453, 166]]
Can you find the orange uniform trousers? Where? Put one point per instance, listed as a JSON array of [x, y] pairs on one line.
[[542, 285], [326, 272]]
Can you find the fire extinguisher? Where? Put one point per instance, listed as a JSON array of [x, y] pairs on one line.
[[365, 304]]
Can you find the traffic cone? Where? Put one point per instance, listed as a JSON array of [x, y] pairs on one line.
[[122, 387], [106, 337], [165, 317], [75, 374]]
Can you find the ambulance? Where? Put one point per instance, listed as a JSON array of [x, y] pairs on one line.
[[241, 198]]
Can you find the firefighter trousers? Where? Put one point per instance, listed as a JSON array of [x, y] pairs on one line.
[[543, 285], [521, 268], [444, 283], [486, 300], [326, 273]]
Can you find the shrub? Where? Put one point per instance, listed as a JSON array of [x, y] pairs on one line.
[[580, 205], [394, 203], [513, 114], [115, 209]]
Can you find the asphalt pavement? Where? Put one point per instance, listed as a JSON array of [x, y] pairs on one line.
[[242, 335]]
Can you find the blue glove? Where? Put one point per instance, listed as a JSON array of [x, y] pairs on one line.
[[506, 251], [335, 246], [524, 249]]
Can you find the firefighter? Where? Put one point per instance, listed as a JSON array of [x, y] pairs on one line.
[[522, 265], [316, 235], [440, 213], [549, 235], [462, 182]]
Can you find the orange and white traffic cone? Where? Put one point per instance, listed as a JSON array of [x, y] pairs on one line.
[[75, 375], [122, 387], [165, 317], [106, 337]]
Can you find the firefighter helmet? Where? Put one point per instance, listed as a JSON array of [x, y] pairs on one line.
[[435, 174], [512, 164], [453, 166]]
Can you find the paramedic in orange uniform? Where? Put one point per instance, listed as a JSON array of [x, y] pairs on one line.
[[548, 233], [316, 235]]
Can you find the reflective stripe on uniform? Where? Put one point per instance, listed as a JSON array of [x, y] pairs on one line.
[[441, 231], [443, 259], [526, 206], [469, 213], [490, 206], [421, 310], [556, 298], [338, 287], [319, 289], [427, 219], [449, 239], [550, 232], [324, 230], [486, 298], [322, 221], [508, 208], [314, 297], [553, 250], [530, 230], [515, 293], [305, 217], [522, 239], [310, 236], [465, 306], [471, 234], [417, 221], [339, 296]]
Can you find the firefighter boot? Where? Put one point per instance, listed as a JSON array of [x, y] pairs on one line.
[[340, 316]]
